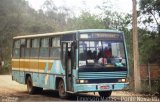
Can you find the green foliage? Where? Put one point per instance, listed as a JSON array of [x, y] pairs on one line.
[[18, 18], [85, 21], [5, 68], [150, 10], [149, 40], [154, 89], [147, 44]]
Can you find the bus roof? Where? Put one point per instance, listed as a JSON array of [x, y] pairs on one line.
[[67, 32]]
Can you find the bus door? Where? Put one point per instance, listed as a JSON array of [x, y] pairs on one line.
[[66, 61]]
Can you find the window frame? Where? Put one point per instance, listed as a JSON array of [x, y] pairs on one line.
[[16, 48], [52, 47], [44, 47], [35, 47]]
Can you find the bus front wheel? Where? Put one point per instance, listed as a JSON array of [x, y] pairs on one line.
[[61, 89], [105, 93]]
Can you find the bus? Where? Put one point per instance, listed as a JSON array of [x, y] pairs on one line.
[[87, 60]]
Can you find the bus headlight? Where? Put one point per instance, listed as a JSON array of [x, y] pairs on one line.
[[82, 81], [121, 80]]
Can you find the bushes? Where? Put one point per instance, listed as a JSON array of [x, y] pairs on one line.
[[5, 68], [154, 89], [158, 86]]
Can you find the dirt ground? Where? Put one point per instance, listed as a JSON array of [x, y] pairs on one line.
[[11, 91]]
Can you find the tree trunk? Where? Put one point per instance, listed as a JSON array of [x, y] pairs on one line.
[[137, 80]]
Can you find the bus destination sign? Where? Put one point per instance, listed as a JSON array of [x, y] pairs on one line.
[[101, 36]]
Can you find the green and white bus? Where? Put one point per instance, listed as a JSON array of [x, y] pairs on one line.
[[89, 60]]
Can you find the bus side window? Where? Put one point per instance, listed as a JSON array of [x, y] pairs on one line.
[[44, 49], [35, 48], [55, 48], [27, 49], [16, 49], [22, 48]]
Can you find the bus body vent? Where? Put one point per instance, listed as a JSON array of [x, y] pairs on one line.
[[103, 75]]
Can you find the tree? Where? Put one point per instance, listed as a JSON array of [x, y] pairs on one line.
[[137, 81], [18, 18], [149, 36], [147, 42], [56, 16], [85, 21], [151, 10]]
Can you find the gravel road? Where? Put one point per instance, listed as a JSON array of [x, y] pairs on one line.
[[11, 91]]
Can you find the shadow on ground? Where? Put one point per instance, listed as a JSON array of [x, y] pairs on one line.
[[49, 95]]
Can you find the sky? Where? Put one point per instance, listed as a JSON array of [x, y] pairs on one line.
[[124, 6]]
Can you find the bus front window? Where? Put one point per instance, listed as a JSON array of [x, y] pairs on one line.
[[101, 53]]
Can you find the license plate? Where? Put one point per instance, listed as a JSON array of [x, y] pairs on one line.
[[104, 87]]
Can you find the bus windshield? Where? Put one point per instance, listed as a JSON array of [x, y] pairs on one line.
[[103, 53]]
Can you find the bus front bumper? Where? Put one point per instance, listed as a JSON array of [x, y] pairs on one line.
[[100, 87]]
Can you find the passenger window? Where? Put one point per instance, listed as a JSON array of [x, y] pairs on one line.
[[22, 48], [23, 42], [44, 49], [17, 44], [35, 43], [56, 42], [45, 42], [27, 49], [28, 43], [16, 49], [55, 49], [35, 48]]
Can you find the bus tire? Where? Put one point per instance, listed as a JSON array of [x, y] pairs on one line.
[[61, 89], [30, 88], [38, 90], [105, 93]]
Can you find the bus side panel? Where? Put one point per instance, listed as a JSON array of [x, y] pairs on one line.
[[56, 71], [15, 75], [21, 77], [15, 70], [34, 71], [21, 71], [49, 71], [35, 79], [75, 74], [52, 78], [52, 82], [26, 65], [42, 65], [43, 73]]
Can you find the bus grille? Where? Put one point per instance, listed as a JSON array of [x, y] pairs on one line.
[[102, 75]]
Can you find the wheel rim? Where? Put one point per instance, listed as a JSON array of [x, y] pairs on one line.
[[61, 89]]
